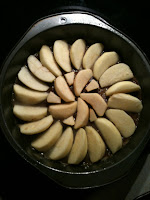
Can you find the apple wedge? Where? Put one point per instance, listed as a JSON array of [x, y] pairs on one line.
[[63, 111], [63, 89], [92, 86], [82, 114], [96, 101], [114, 74], [125, 102], [70, 78], [81, 80], [96, 146], [28, 96], [79, 148], [37, 126], [61, 54], [122, 87], [77, 52], [91, 55], [110, 134], [69, 121], [45, 141], [106, 60], [63, 146], [29, 113], [48, 61], [39, 70], [30, 81], [93, 116], [122, 121], [53, 98]]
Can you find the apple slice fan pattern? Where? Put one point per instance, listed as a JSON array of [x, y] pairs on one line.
[[79, 101]]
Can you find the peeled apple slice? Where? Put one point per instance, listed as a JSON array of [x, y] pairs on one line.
[[48, 61], [122, 121], [77, 52], [92, 86], [29, 113], [110, 134], [69, 121], [69, 78], [106, 60], [122, 87], [28, 96], [63, 145], [53, 98], [91, 55], [79, 148], [96, 146], [30, 81], [45, 141], [125, 102], [61, 54], [37, 126]]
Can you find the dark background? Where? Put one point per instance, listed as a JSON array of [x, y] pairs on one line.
[[18, 179]]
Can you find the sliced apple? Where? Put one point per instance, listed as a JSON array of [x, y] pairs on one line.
[[93, 116], [29, 80], [91, 55], [63, 146], [125, 102], [114, 74], [96, 101], [70, 78], [96, 146], [61, 54], [122, 121], [69, 121], [110, 134], [63, 89], [92, 86], [82, 114], [79, 148], [122, 87], [37, 126], [77, 52], [81, 80], [106, 60], [48, 61], [29, 113], [63, 111], [53, 98], [38, 70], [45, 141], [28, 96]]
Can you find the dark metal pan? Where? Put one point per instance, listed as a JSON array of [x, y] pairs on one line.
[[71, 26]]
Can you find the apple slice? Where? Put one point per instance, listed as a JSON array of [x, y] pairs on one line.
[[110, 134], [125, 102], [63, 146], [38, 70], [92, 86], [81, 80], [114, 74], [122, 87], [30, 81], [122, 121], [53, 98], [82, 114], [37, 126], [69, 121], [106, 60], [47, 60], [79, 148], [93, 116], [63, 89], [29, 113], [28, 96], [70, 78], [61, 54], [45, 141], [96, 101], [77, 52], [91, 55], [96, 146], [63, 111]]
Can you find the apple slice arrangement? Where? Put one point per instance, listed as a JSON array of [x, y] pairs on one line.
[[76, 100]]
